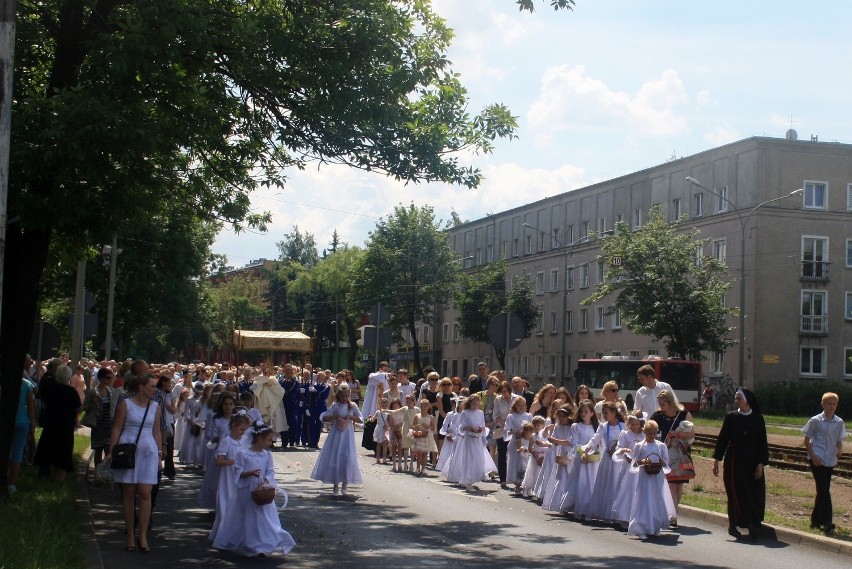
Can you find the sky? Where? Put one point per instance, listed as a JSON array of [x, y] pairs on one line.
[[613, 87]]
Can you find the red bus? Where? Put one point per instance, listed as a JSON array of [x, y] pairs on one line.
[[683, 375]]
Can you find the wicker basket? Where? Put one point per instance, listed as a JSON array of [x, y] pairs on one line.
[[263, 495], [652, 467], [563, 460]]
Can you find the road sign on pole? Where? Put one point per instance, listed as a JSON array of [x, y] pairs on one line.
[[505, 328]]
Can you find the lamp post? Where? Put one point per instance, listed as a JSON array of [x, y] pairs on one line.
[[743, 224], [567, 251], [110, 254]]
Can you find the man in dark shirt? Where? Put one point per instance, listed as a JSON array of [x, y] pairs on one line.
[[478, 384]]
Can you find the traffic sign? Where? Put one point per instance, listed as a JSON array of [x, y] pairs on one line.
[[497, 331]]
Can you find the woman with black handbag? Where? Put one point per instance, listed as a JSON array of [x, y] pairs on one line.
[[136, 454]]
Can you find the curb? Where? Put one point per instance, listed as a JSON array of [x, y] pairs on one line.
[[791, 536], [91, 551]]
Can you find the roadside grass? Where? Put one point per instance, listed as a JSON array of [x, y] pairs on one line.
[[705, 501], [776, 424], [41, 524], [777, 489]]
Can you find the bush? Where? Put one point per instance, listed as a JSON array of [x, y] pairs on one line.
[[802, 399]]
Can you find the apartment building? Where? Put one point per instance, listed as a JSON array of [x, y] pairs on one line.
[[796, 253]]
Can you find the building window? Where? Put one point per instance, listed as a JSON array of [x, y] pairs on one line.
[[812, 361], [633, 354], [849, 253], [554, 280], [569, 278], [567, 371], [616, 320], [479, 259], [814, 257], [847, 362], [584, 275], [552, 367], [455, 331], [503, 250], [541, 241], [816, 195], [569, 321], [653, 353], [849, 306], [525, 365], [539, 365], [720, 247], [699, 255], [445, 332], [554, 323], [515, 247], [600, 318], [619, 218], [848, 197], [554, 241], [569, 235], [722, 200], [675, 209], [601, 226], [539, 325], [584, 320], [697, 205], [601, 271], [539, 282], [717, 360], [814, 312], [490, 254], [584, 231], [529, 245], [425, 337], [637, 219]]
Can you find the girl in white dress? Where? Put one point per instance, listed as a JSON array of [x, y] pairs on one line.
[[561, 453], [216, 430], [338, 460], [408, 413], [248, 528], [512, 435], [203, 417], [649, 513], [537, 448], [423, 432], [380, 434], [626, 482], [189, 443], [450, 431], [605, 442], [395, 421], [226, 458], [471, 462], [581, 476], [247, 402], [180, 420]]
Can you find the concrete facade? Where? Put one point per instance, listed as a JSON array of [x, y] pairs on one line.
[[798, 262]]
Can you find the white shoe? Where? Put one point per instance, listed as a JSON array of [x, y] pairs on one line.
[[334, 492], [343, 490]]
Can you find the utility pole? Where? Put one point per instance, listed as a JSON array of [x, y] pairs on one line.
[[7, 65]]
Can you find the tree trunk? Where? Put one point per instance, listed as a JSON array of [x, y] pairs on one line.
[[352, 350], [25, 258], [415, 347]]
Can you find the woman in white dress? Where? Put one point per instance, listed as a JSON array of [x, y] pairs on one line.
[[249, 528], [471, 461], [338, 460], [137, 420], [650, 512]]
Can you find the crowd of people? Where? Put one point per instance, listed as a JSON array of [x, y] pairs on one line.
[[597, 461]]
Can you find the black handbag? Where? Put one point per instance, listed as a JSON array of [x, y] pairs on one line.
[[124, 455]]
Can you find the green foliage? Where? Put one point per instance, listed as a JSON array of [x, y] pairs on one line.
[[802, 398], [237, 302], [299, 248], [409, 267], [481, 295], [664, 290], [529, 5]]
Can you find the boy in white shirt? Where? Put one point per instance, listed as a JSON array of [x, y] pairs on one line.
[[824, 435]]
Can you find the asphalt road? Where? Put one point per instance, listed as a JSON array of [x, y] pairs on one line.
[[401, 521]]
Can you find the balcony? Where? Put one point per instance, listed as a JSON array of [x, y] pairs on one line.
[[815, 271], [814, 326]]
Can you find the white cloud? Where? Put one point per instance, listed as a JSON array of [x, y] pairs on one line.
[[722, 134], [569, 99]]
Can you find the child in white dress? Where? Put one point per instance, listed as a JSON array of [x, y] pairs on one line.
[[471, 462], [536, 449], [423, 431], [395, 421], [512, 435], [226, 458], [626, 482], [380, 434], [605, 443], [408, 413], [338, 460], [449, 429], [216, 430], [559, 456], [581, 476], [247, 402], [189, 444], [248, 528], [649, 513]]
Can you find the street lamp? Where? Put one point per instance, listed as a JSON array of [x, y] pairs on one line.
[[743, 223], [567, 251], [110, 254]]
